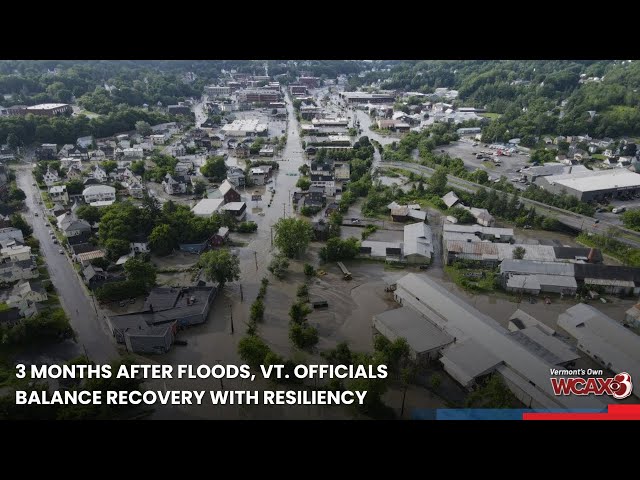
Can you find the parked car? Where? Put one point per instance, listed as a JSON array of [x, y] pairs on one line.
[[61, 251], [618, 210], [55, 241], [35, 214], [355, 220]]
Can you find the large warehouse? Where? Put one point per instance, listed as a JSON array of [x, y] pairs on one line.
[[481, 345], [245, 128], [590, 185]]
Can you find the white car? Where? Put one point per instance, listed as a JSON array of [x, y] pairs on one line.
[[61, 251]]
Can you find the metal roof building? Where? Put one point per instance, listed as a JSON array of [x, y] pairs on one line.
[[509, 265], [604, 339], [422, 336], [486, 233], [464, 322], [418, 242], [207, 207], [593, 185]]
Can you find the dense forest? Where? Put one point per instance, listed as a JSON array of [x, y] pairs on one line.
[[534, 97]]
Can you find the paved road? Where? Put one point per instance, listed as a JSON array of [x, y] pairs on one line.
[[573, 220], [365, 122], [91, 332], [284, 185]]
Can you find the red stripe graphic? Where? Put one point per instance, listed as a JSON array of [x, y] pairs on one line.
[[614, 412]]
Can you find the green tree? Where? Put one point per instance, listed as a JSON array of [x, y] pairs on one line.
[[75, 187], [15, 193], [253, 350], [116, 247], [89, 213], [214, 168], [140, 271], [18, 221], [337, 249], [13, 141], [220, 266], [143, 128], [200, 188], [463, 215], [292, 236], [137, 167], [519, 253], [298, 312], [304, 170], [303, 335], [278, 266], [162, 239], [109, 166], [631, 219], [309, 271], [256, 313], [303, 183], [438, 182]]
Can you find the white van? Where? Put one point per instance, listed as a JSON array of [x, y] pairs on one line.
[[618, 209]]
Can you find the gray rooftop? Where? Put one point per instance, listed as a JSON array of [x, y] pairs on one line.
[[534, 267], [407, 323]]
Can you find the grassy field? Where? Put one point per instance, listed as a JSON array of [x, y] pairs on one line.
[[460, 277], [490, 115], [598, 156]]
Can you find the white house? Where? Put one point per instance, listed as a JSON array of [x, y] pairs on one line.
[[174, 185], [26, 293], [50, 177], [18, 270], [85, 142], [135, 188], [139, 247], [59, 194], [99, 193], [258, 175], [99, 174], [15, 253], [133, 152], [159, 139], [69, 163], [98, 155]]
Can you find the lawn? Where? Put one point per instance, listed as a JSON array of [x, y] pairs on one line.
[[492, 116], [461, 277], [598, 156]]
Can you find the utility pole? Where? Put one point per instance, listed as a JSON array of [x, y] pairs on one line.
[[271, 235], [284, 209], [231, 316], [255, 254], [241, 296]]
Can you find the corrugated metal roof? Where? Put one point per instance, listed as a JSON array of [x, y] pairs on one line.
[[609, 282], [463, 321], [510, 265], [418, 239], [525, 282], [90, 255], [407, 323], [605, 338]]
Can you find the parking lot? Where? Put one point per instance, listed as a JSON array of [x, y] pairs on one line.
[[465, 150]]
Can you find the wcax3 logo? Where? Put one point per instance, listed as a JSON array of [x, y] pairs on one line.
[[618, 386]]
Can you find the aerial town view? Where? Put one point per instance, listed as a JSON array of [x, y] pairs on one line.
[[472, 225]]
